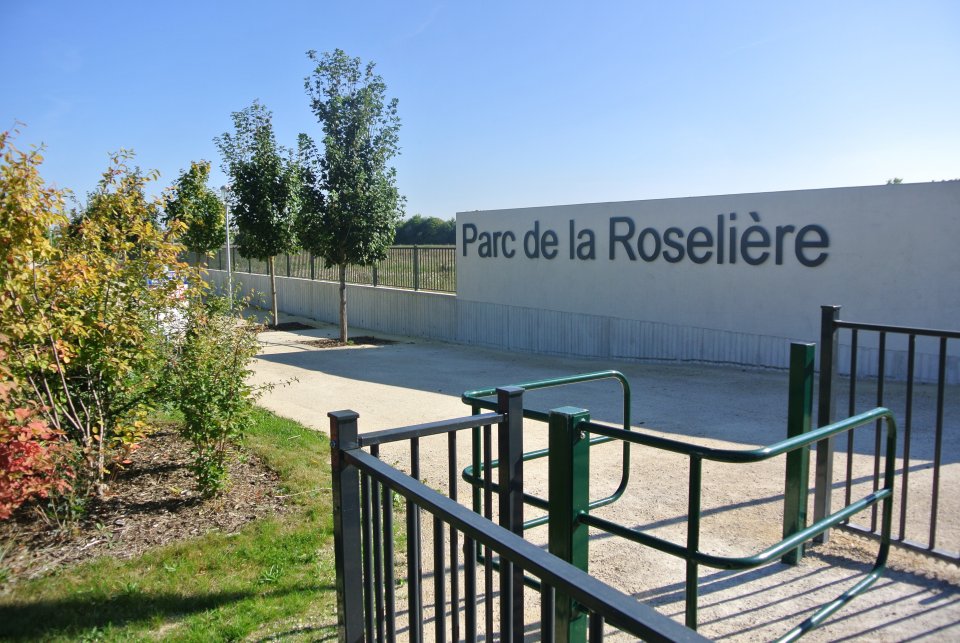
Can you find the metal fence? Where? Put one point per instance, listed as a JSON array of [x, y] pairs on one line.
[[468, 598], [921, 499], [432, 268]]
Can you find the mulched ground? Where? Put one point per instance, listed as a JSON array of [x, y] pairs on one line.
[[152, 502], [363, 340]]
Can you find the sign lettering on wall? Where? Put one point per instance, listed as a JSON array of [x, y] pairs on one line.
[[728, 239]]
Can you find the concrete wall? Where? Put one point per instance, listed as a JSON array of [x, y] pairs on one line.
[[648, 279], [388, 310]]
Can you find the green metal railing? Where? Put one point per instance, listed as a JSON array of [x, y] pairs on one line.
[[569, 506], [476, 400]]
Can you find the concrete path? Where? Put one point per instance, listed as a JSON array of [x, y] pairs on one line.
[[415, 381]]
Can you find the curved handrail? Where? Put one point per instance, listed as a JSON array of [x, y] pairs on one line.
[[475, 399]]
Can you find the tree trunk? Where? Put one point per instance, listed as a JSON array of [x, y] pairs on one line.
[[273, 292], [343, 303]]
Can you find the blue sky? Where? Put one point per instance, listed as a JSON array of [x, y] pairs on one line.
[[509, 104]]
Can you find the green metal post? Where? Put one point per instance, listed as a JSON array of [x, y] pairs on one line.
[[569, 485], [799, 411]]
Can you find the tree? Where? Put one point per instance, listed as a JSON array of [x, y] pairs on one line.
[[361, 205], [198, 207], [418, 230], [265, 189]]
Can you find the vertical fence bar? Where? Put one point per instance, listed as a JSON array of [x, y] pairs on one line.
[[510, 479], [378, 584], [877, 431], [596, 628], [547, 613], [454, 576], [823, 484], [799, 410], [439, 583], [938, 442], [692, 590], [488, 514], [470, 588], [851, 410], [346, 526], [366, 517], [907, 431], [389, 573], [414, 564], [568, 483]]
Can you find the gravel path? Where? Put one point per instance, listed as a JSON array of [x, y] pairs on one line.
[[415, 381]]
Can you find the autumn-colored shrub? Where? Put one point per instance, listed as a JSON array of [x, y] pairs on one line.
[[81, 303], [32, 462]]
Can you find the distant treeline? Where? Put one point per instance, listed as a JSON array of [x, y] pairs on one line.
[[425, 231]]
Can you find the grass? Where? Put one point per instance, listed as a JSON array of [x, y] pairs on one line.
[[273, 579]]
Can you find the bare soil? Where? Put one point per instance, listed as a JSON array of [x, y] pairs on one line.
[[152, 502]]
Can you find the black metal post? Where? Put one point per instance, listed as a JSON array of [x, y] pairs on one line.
[[510, 477], [829, 315], [346, 526], [416, 268], [799, 410]]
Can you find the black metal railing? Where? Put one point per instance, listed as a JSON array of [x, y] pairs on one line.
[[919, 438], [364, 535], [432, 268]]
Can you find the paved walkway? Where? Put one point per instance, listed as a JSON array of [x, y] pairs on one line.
[[415, 381]]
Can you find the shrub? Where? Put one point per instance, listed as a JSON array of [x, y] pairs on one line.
[[81, 305], [32, 462], [209, 385]]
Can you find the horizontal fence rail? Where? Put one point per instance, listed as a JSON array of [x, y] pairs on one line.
[[430, 268], [922, 451]]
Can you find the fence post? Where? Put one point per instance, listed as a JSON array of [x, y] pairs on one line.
[[376, 279], [288, 264], [346, 526], [510, 477], [313, 270], [416, 268], [569, 480], [799, 410], [829, 316]]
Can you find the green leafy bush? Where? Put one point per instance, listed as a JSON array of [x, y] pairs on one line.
[[210, 369]]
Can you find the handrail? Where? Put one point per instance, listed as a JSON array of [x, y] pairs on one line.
[[741, 456], [472, 474], [697, 454]]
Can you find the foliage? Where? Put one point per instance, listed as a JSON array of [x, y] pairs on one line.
[[418, 230], [205, 589], [361, 205], [32, 453], [210, 387], [199, 208], [81, 306], [264, 190]]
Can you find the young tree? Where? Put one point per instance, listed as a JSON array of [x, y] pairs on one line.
[[265, 189], [361, 205], [198, 207]]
